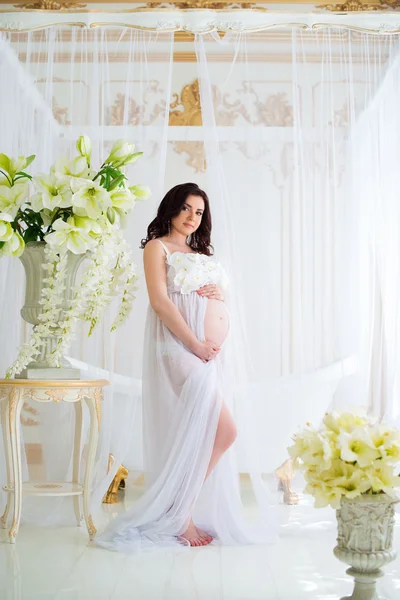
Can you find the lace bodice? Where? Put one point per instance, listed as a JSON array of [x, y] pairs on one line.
[[187, 272]]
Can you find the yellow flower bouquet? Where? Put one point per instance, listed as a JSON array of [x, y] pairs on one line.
[[349, 455]]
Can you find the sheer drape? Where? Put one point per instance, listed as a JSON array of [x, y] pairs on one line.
[[277, 118], [375, 155], [108, 84], [301, 170]]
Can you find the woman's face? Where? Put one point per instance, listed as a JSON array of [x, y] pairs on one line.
[[189, 218]]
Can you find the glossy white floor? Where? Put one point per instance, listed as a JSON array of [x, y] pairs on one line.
[[57, 563]]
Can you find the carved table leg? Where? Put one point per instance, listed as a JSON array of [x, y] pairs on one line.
[[285, 474], [111, 496], [94, 404], [7, 452], [77, 459], [14, 413]]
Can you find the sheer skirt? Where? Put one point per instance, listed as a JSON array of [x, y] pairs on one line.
[[182, 399]]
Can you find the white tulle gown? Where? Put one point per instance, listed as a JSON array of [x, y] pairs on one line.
[[182, 398]]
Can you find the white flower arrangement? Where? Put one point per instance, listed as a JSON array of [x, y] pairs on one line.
[[79, 210], [192, 271], [351, 454]]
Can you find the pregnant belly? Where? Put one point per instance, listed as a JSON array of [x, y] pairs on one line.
[[216, 322]]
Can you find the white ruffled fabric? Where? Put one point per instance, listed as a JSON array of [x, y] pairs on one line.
[[182, 398], [191, 271]]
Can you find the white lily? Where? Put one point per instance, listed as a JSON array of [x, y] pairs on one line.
[[141, 192], [14, 246], [66, 236], [47, 216], [382, 479], [6, 230], [122, 153], [51, 192], [12, 198], [358, 446], [90, 225], [120, 150], [347, 421], [123, 202], [12, 166], [71, 168], [89, 199]]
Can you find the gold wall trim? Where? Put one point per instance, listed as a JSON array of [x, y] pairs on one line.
[[198, 5], [51, 5], [41, 27]]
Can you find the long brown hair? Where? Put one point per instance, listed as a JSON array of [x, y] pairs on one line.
[[171, 205]]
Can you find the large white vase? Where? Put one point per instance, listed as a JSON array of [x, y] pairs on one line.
[[365, 538], [33, 258]]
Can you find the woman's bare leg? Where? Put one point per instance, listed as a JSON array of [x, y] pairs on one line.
[[224, 438]]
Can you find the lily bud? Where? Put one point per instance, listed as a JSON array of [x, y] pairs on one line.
[[111, 215], [84, 147]]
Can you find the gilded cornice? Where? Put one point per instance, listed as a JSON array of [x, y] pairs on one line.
[[50, 5]]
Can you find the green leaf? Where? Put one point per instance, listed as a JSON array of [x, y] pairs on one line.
[[21, 175], [30, 235], [117, 181], [107, 181], [6, 176], [113, 171], [1, 244]]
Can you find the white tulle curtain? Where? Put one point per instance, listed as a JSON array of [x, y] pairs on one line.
[[278, 116], [107, 83], [375, 157], [303, 201]]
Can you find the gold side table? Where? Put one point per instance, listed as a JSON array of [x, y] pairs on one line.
[[13, 394]]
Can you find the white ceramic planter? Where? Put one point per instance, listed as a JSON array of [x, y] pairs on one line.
[[365, 538], [32, 260]]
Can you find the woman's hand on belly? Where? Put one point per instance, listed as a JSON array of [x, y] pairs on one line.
[[206, 350], [211, 291]]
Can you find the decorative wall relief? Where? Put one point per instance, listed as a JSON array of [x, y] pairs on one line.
[[60, 113], [229, 108], [358, 5], [189, 100], [118, 109], [349, 6], [196, 154], [144, 111], [50, 5]]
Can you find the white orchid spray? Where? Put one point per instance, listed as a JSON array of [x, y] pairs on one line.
[[351, 454], [72, 209]]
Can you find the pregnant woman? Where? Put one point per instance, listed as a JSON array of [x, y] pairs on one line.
[[192, 494]]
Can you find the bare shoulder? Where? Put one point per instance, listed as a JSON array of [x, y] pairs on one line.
[[154, 248]]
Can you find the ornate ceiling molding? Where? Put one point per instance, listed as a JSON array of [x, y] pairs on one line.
[[207, 20]]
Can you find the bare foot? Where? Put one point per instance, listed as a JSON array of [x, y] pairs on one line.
[[196, 537], [207, 539]]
